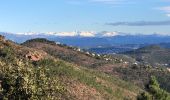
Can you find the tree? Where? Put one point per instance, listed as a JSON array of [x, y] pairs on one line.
[[155, 92]]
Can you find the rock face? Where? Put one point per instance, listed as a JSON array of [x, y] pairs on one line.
[[168, 69], [35, 56]]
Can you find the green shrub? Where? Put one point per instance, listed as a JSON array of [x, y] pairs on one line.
[[23, 81], [7, 53]]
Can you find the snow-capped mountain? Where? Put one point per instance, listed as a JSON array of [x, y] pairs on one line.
[[90, 39], [72, 34]]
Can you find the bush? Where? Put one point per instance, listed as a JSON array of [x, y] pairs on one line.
[[23, 81]]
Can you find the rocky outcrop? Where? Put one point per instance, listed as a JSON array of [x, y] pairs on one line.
[[35, 56], [2, 38]]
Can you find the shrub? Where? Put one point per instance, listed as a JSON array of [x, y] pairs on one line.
[[23, 81]]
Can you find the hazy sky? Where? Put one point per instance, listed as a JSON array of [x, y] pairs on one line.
[[131, 16]]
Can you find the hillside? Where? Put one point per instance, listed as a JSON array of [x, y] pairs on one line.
[[154, 55], [119, 66], [69, 54], [66, 80], [116, 48]]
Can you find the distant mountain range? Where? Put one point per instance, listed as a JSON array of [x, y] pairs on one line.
[[93, 40]]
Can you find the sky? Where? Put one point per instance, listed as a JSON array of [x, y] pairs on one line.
[[129, 16]]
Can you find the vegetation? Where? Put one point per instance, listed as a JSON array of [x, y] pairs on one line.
[[155, 92], [140, 75], [20, 80], [91, 79], [42, 40]]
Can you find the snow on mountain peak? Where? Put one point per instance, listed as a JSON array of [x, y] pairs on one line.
[[74, 33], [87, 34], [109, 34]]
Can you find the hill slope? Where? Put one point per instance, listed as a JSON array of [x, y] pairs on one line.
[[120, 66], [72, 81], [154, 55], [69, 54]]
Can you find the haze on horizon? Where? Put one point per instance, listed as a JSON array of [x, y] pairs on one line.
[[129, 16]]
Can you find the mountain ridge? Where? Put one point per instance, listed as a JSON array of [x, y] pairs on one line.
[[94, 42]]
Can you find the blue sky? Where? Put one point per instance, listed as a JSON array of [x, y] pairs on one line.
[[130, 16]]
